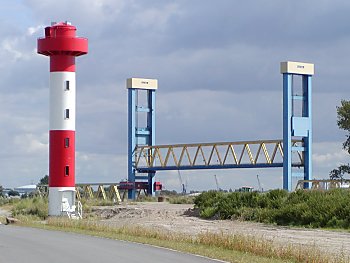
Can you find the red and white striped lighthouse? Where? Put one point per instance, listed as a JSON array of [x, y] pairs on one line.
[[62, 46]]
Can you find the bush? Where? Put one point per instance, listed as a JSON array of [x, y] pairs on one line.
[[300, 208], [208, 212]]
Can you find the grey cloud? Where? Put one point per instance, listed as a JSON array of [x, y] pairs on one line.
[[217, 65]]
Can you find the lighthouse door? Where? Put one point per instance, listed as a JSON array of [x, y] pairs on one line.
[[68, 195]]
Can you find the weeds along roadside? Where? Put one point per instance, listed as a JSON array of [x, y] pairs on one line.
[[31, 212], [200, 244]]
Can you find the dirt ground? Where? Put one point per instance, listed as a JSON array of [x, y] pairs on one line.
[[182, 218], [4, 212]]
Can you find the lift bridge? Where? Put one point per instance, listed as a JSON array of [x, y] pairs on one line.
[[293, 152], [247, 154]]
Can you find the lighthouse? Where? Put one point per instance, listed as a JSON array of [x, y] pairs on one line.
[[62, 46]]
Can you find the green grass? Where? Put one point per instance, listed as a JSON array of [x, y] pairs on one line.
[[178, 199], [8, 201], [35, 207]]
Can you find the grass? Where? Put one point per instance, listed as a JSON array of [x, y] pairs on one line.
[[35, 207], [146, 198], [178, 199], [8, 201], [231, 248]]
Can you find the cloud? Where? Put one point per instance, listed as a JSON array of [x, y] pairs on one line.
[[218, 70], [328, 156], [35, 29], [31, 144], [100, 168]]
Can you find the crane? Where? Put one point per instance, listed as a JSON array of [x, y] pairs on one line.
[[217, 183], [259, 184], [183, 186]]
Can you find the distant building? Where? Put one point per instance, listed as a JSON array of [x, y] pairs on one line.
[[5, 191], [26, 189]]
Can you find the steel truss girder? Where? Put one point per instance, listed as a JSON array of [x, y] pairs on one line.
[[87, 191], [245, 154]]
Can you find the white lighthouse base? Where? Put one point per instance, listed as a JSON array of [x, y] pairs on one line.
[[59, 196]]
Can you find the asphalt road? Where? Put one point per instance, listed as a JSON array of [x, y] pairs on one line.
[[29, 245]]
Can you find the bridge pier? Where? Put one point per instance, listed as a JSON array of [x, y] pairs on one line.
[[297, 120], [141, 127]]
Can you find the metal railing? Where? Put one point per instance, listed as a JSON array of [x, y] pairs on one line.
[[323, 184], [80, 209], [89, 191], [98, 190]]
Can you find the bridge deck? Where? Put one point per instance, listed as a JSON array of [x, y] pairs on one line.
[[245, 154]]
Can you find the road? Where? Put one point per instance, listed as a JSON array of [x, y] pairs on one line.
[[20, 244]]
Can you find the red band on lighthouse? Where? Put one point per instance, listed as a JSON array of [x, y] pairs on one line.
[[62, 63], [62, 159]]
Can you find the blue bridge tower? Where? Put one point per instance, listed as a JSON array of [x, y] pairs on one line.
[[141, 130], [297, 121]]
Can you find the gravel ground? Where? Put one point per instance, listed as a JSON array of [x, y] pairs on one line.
[[182, 218]]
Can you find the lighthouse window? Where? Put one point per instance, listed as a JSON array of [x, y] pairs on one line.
[[66, 170], [67, 85], [66, 114], [66, 142]]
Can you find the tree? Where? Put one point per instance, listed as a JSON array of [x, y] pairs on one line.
[[339, 172], [1, 189], [343, 122], [44, 180], [13, 193]]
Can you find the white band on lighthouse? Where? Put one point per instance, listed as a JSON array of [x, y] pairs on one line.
[[62, 101]]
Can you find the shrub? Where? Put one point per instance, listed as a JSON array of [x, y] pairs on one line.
[[208, 212], [300, 208]]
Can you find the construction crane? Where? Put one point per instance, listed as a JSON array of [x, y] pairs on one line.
[[183, 186], [217, 183], [259, 184]]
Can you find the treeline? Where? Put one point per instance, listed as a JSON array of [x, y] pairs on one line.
[[329, 209]]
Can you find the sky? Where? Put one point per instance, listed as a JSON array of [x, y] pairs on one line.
[[217, 63]]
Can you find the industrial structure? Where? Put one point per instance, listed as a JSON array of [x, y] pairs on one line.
[[297, 120], [141, 129], [292, 153], [62, 46]]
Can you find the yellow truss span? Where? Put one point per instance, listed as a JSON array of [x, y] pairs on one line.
[[252, 153]]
